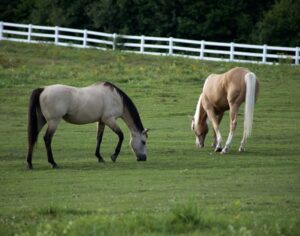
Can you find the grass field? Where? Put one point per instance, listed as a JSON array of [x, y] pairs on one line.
[[180, 189]]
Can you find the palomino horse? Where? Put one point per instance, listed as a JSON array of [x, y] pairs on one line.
[[101, 102], [223, 92]]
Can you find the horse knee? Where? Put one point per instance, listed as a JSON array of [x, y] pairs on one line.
[[233, 124]]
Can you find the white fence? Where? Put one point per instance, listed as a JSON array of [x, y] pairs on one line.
[[204, 50]]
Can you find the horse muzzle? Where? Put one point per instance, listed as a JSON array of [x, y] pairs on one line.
[[199, 142], [198, 145], [141, 158]]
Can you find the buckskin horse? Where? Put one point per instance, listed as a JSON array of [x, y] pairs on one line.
[[223, 92], [101, 102]]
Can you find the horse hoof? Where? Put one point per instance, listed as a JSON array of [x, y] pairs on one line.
[[224, 151], [29, 167], [55, 166], [101, 160], [241, 149], [113, 157], [218, 149]]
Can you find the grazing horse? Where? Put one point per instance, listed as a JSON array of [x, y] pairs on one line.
[[223, 92], [101, 102]]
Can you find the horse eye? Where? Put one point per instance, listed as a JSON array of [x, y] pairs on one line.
[[143, 142]]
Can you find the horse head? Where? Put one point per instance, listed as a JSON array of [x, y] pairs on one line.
[[200, 130], [199, 123], [138, 144]]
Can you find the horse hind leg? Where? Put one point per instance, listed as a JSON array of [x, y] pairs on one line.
[[233, 123], [243, 144], [52, 125]]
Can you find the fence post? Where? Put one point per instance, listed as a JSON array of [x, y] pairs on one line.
[[202, 48], [114, 38], [170, 46], [84, 38], [56, 35], [142, 43], [231, 51], [29, 32], [264, 57], [1, 30], [297, 56]]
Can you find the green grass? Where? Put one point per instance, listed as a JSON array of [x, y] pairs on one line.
[[180, 189]]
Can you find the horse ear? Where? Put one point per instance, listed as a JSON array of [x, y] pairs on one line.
[[145, 131]]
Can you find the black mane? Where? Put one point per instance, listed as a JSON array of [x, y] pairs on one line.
[[129, 105]]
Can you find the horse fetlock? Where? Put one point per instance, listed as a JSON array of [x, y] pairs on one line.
[[114, 157], [225, 150], [54, 166], [29, 166], [99, 157]]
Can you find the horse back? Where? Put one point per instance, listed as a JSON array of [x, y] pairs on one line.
[[80, 105], [222, 89]]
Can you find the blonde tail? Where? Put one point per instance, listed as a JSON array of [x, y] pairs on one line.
[[250, 79]]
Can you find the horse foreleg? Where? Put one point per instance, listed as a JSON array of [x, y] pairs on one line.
[[219, 119], [114, 127], [233, 123], [48, 140], [100, 132], [218, 138]]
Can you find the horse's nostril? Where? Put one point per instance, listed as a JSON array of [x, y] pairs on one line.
[[142, 158]]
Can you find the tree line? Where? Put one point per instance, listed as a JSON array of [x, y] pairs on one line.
[[273, 22]]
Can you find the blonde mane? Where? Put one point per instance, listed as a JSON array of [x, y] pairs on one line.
[[197, 112]]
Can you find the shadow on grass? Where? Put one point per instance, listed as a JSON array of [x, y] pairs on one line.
[[165, 160], [59, 211]]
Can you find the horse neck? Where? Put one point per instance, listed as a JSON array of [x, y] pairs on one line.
[[129, 121], [203, 118], [200, 115]]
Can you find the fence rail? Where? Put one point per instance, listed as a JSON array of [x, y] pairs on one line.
[[204, 50]]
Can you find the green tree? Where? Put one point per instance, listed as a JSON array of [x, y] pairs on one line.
[[220, 20], [66, 13], [16, 11], [245, 21], [280, 25]]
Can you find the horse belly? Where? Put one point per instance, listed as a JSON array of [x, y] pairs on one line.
[[84, 115], [221, 104], [79, 119]]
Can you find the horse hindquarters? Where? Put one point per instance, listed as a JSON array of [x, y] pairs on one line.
[[36, 121]]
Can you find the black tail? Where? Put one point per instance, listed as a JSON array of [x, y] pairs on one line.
[[33, 122]]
